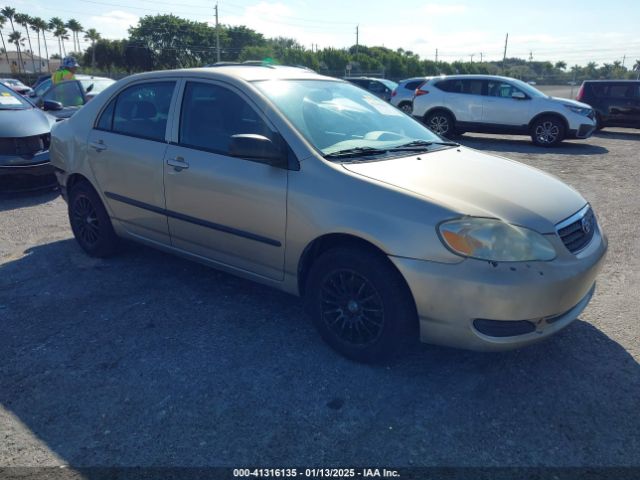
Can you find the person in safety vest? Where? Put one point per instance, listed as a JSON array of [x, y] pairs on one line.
[[67, 71]]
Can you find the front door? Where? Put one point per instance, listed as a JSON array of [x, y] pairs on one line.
[[501, 109], [227, 209], [126, 153]]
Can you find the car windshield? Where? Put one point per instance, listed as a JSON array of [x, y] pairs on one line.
[[98, 84], [528, 89], [9, 100], [337, 116]]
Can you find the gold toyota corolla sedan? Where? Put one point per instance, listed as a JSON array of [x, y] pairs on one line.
[[312, 185]]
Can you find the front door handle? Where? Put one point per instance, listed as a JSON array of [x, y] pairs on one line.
[[178, 163], [98, 146]]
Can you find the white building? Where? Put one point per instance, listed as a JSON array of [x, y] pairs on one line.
[[11, 68]]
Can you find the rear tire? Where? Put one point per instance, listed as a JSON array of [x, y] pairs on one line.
[[599, 125], [90, 222], [441, 123], [406, 107], [359, 303], [547, 131]]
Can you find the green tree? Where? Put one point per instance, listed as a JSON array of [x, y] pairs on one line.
[[17, 40], [237, 38], [24, 20], [93, 36], [8, 13], [56, 25], [3, 20], [75, 27], [561, 65], [39, 26]]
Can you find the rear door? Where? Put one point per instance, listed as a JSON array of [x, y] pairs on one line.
[[501, 109], [126, 152], [227, 209], [620, 103], [635, 101], [463, 98]]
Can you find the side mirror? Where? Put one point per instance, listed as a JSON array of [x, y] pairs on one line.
[[518, 96], [89, 88], [51, 105], [33, 94], [258, 148]]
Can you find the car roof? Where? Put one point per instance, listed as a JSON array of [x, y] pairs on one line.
[[91, 77], [611, 81], [245, 72], [472, 77]]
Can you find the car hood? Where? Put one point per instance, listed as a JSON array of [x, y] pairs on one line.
[[474, 183], [24, 123], [568, 101]]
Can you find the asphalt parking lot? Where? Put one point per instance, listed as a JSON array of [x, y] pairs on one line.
[[145, 359]]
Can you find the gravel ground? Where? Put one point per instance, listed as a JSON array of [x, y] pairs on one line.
[[146, 359]]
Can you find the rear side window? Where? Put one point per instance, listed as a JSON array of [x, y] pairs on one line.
[[451, 86], [619, 91], [142, 110], [106, 119], [413, 85], [598, 89], [211, 114], [472, 87]]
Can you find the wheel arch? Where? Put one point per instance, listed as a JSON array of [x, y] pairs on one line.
[[76, 178], [439, 109], [561, 117]]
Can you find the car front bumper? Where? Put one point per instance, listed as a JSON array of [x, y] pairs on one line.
[[452, 300], [20, 174]]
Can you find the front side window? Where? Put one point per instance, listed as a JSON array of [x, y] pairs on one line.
[[335, 115], [142, 110], [69, 94], [211, 115], [496, 88]]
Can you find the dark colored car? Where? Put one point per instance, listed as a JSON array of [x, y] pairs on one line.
[[616, 102], [24, 144], [64, 99], [380, 87]]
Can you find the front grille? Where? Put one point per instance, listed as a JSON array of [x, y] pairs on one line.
[[578, 230], [25, 145], [503, 328]]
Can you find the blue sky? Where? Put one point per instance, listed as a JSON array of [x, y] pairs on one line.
[[577, 31]]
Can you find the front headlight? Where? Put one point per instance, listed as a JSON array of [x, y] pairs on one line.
[[579, 110], [494, 240]]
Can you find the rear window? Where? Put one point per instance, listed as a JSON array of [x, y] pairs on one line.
[[470, 87], [413, 85], [618, 91]]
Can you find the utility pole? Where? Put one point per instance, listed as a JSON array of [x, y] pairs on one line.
[[217, 34], [357, 37], [436, 56], [530, 56], [624, 57], [472, 55], [480, 57], [504, 56]]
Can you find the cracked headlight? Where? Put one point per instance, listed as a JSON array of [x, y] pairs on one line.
[[494, 240]]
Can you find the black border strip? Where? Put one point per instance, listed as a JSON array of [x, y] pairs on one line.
[[194, 220]]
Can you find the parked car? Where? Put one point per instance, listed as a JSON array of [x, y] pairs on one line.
[[402, 95], [380, 87], [24, 144], [616, 102], [491, 104], [16, 85], [310, 185], [71, 95]]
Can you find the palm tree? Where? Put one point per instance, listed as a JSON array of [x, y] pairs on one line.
[[9, 13], [93, 36], [75, 28], [16, 38], [57, 25], [38, 25], [3, 20], [25, 20], [636, 68]]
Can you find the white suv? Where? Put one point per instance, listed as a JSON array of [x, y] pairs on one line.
[[491, 104]]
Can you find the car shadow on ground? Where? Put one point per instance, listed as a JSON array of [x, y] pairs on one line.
[[13, 201], [146, 359], [496, 143]]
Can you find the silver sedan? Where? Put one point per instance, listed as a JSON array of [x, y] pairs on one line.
[[318, 188]]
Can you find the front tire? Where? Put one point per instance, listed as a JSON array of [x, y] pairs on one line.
[[90, 222], [359, 303], [547, 132], [406, 107], [441, 123]]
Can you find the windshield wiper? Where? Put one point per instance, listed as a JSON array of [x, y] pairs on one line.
[[422, 143], [356, 152]]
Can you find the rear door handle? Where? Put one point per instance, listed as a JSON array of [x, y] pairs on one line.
[[178, 163], [98, 146]]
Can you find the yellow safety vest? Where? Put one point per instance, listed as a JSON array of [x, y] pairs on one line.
[[62, 75]]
